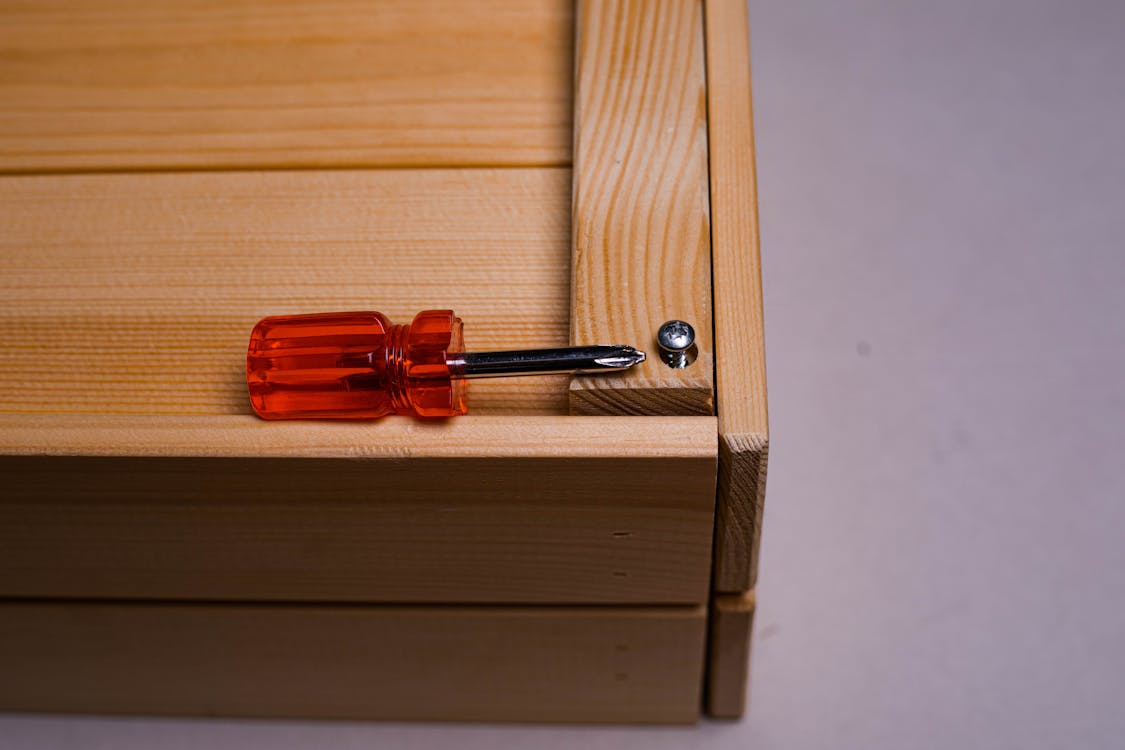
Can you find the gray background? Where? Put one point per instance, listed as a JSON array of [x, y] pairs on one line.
[[943, 226]]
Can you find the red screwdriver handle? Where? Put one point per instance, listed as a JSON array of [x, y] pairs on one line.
[[354, 366]]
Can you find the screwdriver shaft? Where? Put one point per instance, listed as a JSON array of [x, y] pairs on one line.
[[572, 359]]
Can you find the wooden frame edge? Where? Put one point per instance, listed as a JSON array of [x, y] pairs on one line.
[[739, 340], [241, 436], [728, 654], [641, 243]]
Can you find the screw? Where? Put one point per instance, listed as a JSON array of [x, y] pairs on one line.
[[677, 343]]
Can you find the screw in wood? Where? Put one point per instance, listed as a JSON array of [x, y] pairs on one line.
[[676, 340]]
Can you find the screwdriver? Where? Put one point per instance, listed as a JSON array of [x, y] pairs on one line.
[[359, 365]]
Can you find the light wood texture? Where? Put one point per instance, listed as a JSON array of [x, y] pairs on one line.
[[135, 294], [641, 246], [477, 509], [359, 662], [129, 84], [125, 329], [728, 662], [393, 438], [739, 338]]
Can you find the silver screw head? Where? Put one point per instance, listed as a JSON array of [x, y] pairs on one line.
[[677, 344], [675, 336]]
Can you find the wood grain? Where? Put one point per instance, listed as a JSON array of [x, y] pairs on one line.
[[477, 509], [359, 662], [640, 217], [393, 438], [728, 658], [129, 84], [135, 294], [740, 354]]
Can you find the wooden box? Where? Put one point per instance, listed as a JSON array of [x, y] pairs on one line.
[[574, 550]]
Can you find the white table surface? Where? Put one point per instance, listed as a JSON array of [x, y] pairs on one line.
[[943, 228]]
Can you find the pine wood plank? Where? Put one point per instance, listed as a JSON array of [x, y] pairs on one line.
[[641, 244], [476, 509], [728, 658], [129, 84], [359, 662], [136, 293], [739, 335], [393, 438]]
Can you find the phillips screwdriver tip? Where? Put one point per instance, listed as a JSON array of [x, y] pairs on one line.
[[622, 357]]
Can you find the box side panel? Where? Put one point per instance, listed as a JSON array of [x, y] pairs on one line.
[[474, 511], [361, 662]]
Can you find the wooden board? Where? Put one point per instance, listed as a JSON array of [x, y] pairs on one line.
[[359, 662], [640, 223], [478, 509], [129, 84], [135, 294], [728, 658], [739, 340]]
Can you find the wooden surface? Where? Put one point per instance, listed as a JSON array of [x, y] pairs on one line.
[[129, 84], [393, 438], [640, 224], [740, 354], [728, 657], [544, 509], [135, 294], [135, 472], [370, 662]]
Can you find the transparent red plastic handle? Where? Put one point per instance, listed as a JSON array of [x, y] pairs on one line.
[[355, 365]]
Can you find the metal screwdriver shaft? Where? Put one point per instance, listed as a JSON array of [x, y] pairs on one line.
[[572, 359]]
